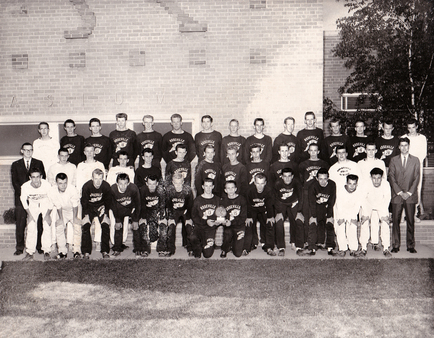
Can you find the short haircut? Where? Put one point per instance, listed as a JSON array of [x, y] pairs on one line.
[[152, 178], [322, 171], [376, 171], [359, 120], [68, 121], [289, 118], [283, 145], [232, 148], [309, 113], [260, 176], [122, 177], [61, 176], [287, 170], [388, 121], [26, 144], [231, 181], [313, 145], [412, 121], [207, 179], [259, 119], [254, 145], [334, 120], [148, 117], [62, 150], [176, 116], [181, 146], [209, 146], [234, 120], [97, 172], [121, 116], [88, 145], [94, 119], [207, 117], [42, 124], [404, 139], [371, 144], [35, 170], [147, 150], [121, 152], [352, 177], [341, 147], [177, 176]]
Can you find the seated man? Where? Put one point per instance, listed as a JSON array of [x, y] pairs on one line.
[[96, 198], [375, 214], [66, 199], [34, 198], [152, 223], [179, 203], [126, 205], [235, 223]]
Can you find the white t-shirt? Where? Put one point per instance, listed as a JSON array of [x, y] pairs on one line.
[[69, 169], [46, 151], [115, 171]]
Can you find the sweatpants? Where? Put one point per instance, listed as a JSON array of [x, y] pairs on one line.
[[233, 239], [372, 227], [251, 233], [86, 239], [203, 240], [296, 227], [171, 235], [346, 236]]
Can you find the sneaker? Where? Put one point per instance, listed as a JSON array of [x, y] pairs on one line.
[[115, 253], [144, 254], [377, 247], [223, 254], [245, 253], [124, 247], [353, 253], [306, 245], [281, 252], [387, 254], [190, 254], [97, 246], [161, 254], [18, 252], [77, 255], [416, 219], [47, 256], [309, 252], [361, 253], [28, 257], [299, 252], [271, 252], [40, 251], [61, 256], [321, 246], [105, 255], [339, 253], [330, 252], [86, 255]]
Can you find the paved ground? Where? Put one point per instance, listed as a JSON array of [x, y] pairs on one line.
[[6, 254]]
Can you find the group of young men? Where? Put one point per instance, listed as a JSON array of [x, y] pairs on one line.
[[335, 192]]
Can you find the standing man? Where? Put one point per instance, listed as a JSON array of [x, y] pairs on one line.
[[289, 139], [103, 146], [358, 143], [283, 162], [235, 171], [176, 136], [369, 163], [45, 148], [259, 138], [96, 198], [334, 140], [72, 142], [179, 165], [234, 139], [20, 175], [150, 139], [208, 168], [34, 198], [404, 176], [207, 136], [63, 166], [122, 168], [387, 144], [256, 165], [342, 168], [87, 167], [419, 149], [310, 134], [124, 139]]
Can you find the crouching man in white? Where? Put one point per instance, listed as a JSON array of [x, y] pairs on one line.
[[348, 204], [34, 197], [375, 214], [65, 199]]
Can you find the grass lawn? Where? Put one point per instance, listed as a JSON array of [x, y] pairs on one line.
[[212, 298]]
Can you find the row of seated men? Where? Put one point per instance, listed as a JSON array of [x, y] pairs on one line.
[[153, 208]]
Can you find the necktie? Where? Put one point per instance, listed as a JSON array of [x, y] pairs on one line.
[[404, 162], [27, 165]]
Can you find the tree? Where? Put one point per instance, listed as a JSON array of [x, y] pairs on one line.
[[389, 46]]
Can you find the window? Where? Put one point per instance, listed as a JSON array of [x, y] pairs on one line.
[[357, 101]]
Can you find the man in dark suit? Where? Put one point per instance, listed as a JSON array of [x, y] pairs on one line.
[[404, 175], [20, 175]]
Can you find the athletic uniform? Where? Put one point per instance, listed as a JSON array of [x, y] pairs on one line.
[[96, 204], [205, 170], [233, 235], [237, 173], [46, 151], [179, 205], [306, 137], [171, 140], [202, 139], [254, 168], [339, 171], [331, 143], [175, 167], [69, 169], [293, 144], [84, 172], [103, 149], [75, 146], [152, 224], [143, 173], [387, 148], [366, 165], [38, 203], [203, 236], [276, 170], [125, 205], [289, 201], [259, 208], [266, 145], [115, 171], [151, 140], [357, 150], [321, 202], [233, 141], [125, 140]]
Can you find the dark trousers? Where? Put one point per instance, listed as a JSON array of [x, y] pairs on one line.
[[171, 235], [119, 218], [321, 232], [251, 233], [203, 240], [233, 239], [306, 214], [86, 238], [150, 232], [296, 227], [410, 209]]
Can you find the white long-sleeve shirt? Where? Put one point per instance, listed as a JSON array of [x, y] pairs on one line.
[[115, 171], [347, 205], [377, 199], [69, 169], [36, 199], [366, 165], [339, 171], [418, 146], [84, 172], [46, 151]]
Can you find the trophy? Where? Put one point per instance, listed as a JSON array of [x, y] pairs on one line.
[[220, 212]]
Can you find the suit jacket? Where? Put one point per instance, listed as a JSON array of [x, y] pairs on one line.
[[20, 175], [405, 180]]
